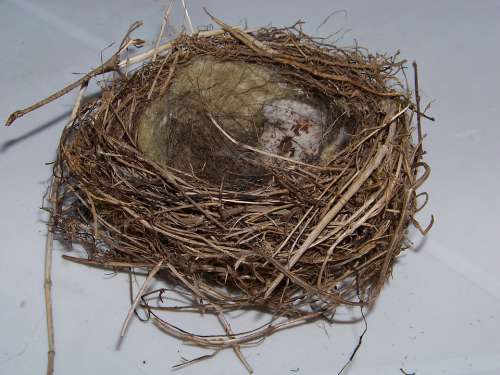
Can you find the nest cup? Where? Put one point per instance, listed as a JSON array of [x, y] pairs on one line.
[[285, 186]]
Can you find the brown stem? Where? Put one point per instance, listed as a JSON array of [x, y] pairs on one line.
[[47, 284], [109, 66], [419, 120]]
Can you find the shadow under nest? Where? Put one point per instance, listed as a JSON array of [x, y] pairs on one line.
[[295, 239]]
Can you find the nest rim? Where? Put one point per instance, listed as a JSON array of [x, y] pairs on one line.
[[108, 190]]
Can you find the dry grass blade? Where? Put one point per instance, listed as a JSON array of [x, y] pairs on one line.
[[162, 28], [138, 297]]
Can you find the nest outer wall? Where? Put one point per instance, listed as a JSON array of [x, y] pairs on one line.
[[297, 244]]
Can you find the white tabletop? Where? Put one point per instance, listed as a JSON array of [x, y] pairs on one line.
[[437, 315]]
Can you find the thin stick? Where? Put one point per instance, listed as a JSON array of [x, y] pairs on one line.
[[144, 56], [49, 243], [170, 74], [157, 76], [162, 47], [47, 285], [419, 120], [393, 244], [190, 24], [137, 299], [110, 65], [78, 102], [417, 100], [362, 177], [162, 28], [230, 333]]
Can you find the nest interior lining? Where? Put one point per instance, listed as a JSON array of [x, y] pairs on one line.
[[291, 238]]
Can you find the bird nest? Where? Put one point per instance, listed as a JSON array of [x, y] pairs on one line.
[[293, 237]]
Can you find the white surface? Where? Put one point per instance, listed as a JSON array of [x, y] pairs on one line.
[[439, 314]]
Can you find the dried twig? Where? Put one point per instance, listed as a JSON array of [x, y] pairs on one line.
[[188, 19], [109, 66], [47, 285], [230, 333], [164, 22], [138, 297], [419, 114]]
